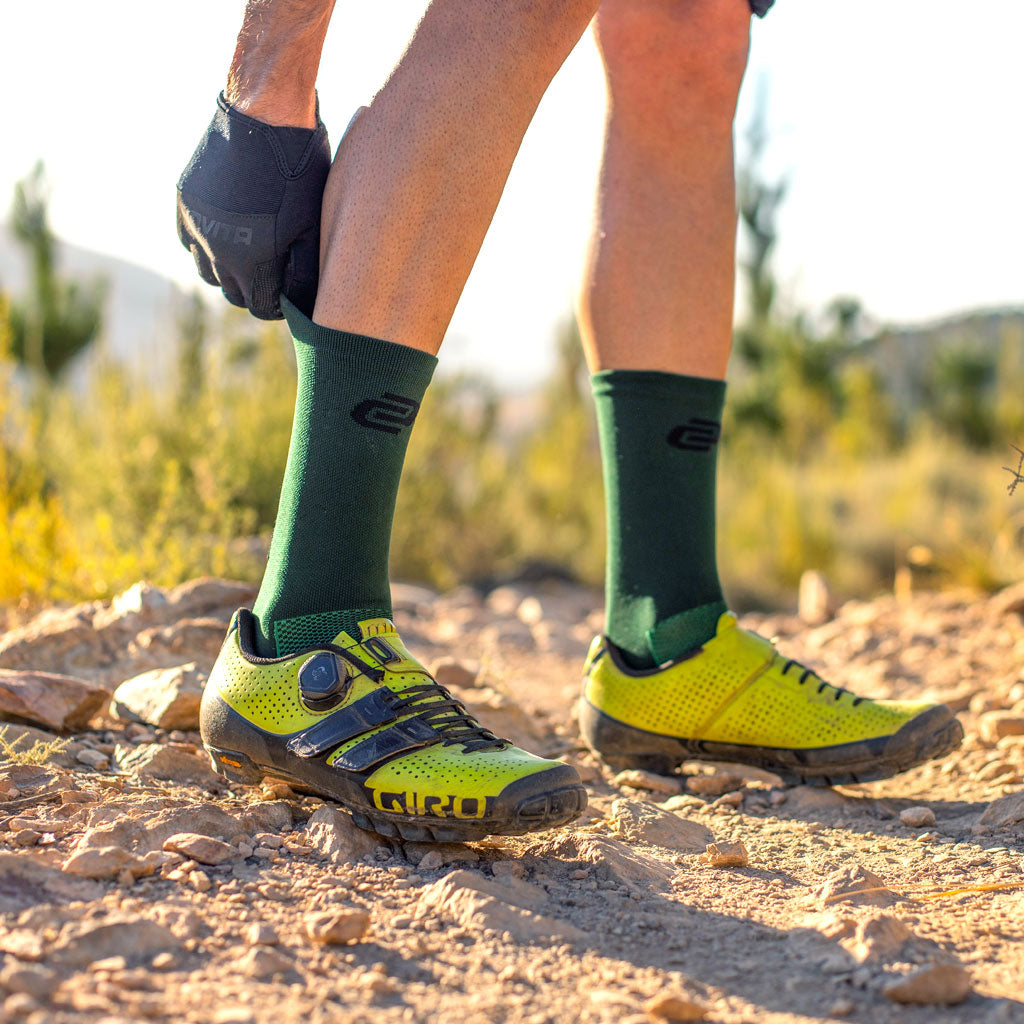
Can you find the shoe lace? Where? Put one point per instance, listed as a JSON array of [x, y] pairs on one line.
[[441, 711], [809, 673]]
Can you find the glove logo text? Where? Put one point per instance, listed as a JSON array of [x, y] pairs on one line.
[[390, 413], [211, 228]]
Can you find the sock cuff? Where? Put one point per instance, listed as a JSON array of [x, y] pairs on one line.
[[677, 387], [412, 368]]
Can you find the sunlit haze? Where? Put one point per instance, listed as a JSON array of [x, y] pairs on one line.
[[898, 125]]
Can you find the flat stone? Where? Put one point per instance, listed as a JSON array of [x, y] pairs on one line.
[[173, 762], [649, 781], [608, 859], [134, 938], [92, 758], [480, 904], [934, 985], [208, 595], [106, 862], [814, 803], [333, 833], [32, 980], [996, 725], [203, 849], [639, 822], [165, 697], [45, 698], [727, 855], [714, 785], [337, 927], [268, 816]]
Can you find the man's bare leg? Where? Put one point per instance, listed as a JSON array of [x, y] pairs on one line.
[[416, 181], [658, 289], [656, 310]]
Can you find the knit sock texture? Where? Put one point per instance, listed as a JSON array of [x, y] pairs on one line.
[[354, 410], [659, 438]]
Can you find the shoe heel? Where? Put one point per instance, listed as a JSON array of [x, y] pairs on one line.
[[235, 767]]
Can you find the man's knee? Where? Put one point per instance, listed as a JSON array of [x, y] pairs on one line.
[[675, 49]]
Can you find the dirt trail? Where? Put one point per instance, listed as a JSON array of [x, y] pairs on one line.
[[134, 885]]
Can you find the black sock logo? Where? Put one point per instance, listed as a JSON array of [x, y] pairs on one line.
[[695, 435], [390, 413]]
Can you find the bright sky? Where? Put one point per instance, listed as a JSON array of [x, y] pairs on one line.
[[898, 122]]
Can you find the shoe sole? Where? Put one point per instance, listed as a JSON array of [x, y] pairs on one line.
[[245, 754], [932, 734]]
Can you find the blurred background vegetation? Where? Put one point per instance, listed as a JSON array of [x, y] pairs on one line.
[[855, 450]]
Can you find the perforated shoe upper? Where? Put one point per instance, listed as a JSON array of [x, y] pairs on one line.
[[738, 689]]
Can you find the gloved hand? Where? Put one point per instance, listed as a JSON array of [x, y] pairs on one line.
[[249, 210]]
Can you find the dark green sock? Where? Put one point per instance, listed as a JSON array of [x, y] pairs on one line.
[[659, 439], [328, 567]]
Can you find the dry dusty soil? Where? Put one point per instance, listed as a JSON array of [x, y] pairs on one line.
[[136, 885]]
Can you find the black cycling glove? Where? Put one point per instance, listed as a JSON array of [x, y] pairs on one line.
[[760, 7], [249, 210]]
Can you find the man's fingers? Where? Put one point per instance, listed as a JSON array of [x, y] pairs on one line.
[[203, 264], [232, 292]]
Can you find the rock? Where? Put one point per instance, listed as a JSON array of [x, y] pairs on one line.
[[202, 849], [337, 927], [333, 833], [917, 817], [1005, 811], [264, 963], [649, 781], [134, 938], [878, 939], [449, 672], [477, 903], [191, 638], [674, 1007], [1009, 600], [996, 725], [727, 855], [56, 640], [814, 803], [639, 822], [106, 862], [268, 816], [714, 785], [199, 880], [92, 758], [173, 762], [165, 697], [259, 933], [146, 834], [36, 981], [26, 882], [140, 598], [45, 698], [855, 884], [934, 985], [814, 602], [208, 595], [608, 860]]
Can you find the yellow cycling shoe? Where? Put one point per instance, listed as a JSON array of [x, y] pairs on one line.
[[360, 721], [737, 699]]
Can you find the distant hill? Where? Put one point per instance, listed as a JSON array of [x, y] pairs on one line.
[[904, 354], [139, 316]]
